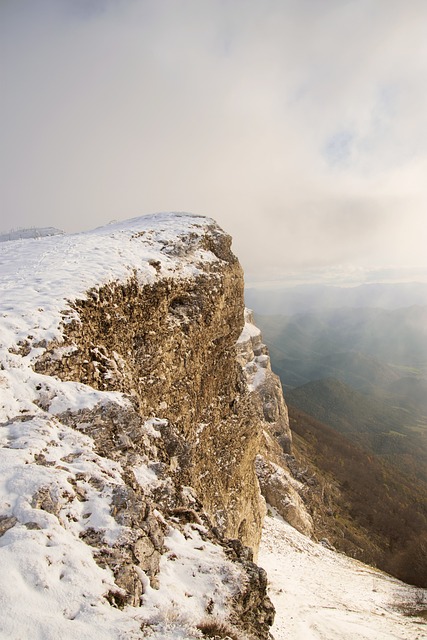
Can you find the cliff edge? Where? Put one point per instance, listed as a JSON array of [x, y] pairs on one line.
[[129, 501]]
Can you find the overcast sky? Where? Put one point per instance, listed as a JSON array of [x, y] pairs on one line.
[[299, 125]]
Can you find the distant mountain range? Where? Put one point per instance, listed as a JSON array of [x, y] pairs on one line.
[[363, 505], [361, 371], [384, 427]]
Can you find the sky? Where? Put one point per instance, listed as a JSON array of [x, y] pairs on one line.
[[299, 125]]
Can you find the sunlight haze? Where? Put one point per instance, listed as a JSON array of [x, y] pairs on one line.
[[300, 126]]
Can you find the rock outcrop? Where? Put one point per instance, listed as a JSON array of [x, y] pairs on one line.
[[170, 347], [263, 383], [278, 486], [132, 409]]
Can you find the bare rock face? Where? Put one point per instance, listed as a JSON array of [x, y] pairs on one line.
[[282, 492], [263, 383], [171, 347], [279, 488]]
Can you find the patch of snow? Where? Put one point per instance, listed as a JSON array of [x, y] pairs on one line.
[[151, 424], [146, 476], [249, 331], [195, 575]]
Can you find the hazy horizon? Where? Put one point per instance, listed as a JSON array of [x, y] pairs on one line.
[[298, 125]]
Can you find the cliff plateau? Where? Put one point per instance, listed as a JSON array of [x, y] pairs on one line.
[[136, 404]]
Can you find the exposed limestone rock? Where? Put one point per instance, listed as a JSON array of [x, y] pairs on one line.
[[281, 491], [265, 385], [278, 487], [6, 523], [46, 500], [255, 617]]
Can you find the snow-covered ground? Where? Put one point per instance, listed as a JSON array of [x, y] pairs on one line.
[[323, 595], [53, 488]]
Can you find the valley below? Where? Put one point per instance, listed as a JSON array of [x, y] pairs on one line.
[[355, 382]]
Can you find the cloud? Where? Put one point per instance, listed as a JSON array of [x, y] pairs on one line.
[[298, 125], [338, 148]]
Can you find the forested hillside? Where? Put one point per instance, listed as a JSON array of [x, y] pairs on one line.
[[363, 505]]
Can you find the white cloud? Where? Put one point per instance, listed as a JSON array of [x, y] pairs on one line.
[[298, 125]]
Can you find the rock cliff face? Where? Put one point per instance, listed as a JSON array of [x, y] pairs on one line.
[[278, 485], [170, 347], [134, 407]]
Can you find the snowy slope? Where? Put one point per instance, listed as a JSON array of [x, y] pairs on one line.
[[322, 595]]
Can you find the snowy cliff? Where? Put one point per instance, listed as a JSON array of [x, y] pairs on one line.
[[129, 503]]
